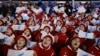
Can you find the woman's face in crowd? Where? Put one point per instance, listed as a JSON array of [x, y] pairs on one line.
[[75, 43], [21, 42], [87, 23], [20, 4], [32, 23], [58, 23], [27, 32], [15, 21], [46, 29], [45, 22], [73, 23], [81, 27], [1, 23], [46, 42], [63, 30], [79, 18], [9, 31], [98, 28]]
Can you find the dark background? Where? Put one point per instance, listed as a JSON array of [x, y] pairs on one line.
[[49, 0]]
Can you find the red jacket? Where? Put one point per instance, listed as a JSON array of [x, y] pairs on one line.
[[41, 51], [62, 39], [67, 51], [94, 50]]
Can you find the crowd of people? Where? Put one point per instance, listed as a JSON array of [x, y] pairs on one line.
[[49, 29]]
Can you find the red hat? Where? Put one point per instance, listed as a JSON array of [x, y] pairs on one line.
[[11, 29], [48, 36], [18, 37], [28, 29], [47, 27], [74, 38]]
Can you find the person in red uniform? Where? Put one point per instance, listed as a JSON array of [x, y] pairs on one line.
[[9, 40], [70, 50], [95, 49], [27, 33], [20, 43], [44, 47], [41, 34], [61, 39], [38, 13]]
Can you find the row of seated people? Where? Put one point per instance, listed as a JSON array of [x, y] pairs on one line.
[[50, 35]]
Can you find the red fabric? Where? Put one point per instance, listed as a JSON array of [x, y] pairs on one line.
[[62, 39], [97, 34], [39, 16], [5, 49], [68, 52], [38, 37], [94, 50], [43, 52], [60, 14]]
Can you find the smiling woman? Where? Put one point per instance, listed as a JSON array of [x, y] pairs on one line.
[[71, 49], [44, 47]]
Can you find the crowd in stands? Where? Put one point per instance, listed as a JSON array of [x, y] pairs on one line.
[[49, 29]]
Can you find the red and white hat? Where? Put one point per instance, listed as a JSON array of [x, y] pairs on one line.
[[48, 36]]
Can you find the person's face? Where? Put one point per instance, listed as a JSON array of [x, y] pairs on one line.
[[8, 4], [63, 30], [14, 21], [80, 18], [75, 43], [37, 7], [45, 22], [32, 23], [73, 14], [73, 22], [9, 31], [89, 17], [21, 42], [1, 23], [6, 19], [27, 32], [46, 42], [86, 5], [19, 18], [46, 29], [58, 23], [87, 23], [98, 28], [99, 44], [20, 4], [81, 27]]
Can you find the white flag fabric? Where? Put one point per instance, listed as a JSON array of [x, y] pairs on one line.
[[18, 27], [87, 35], [3, 28], [18, 53], [81, 52], [91, 28]]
